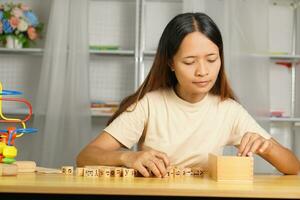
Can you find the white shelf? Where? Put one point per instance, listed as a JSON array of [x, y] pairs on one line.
[[285, 57], [26, 51], [278, 57], [284, 119], [113, 52], [149, 53], [39, 51], [24, 111]]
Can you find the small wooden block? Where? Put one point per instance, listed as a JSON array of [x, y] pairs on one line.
[[127, 172], [167, 174], [8, 169], [136, 173], [224, 168], [117, 172], [46, 170], [26, 166], [196, 171], [68, 170], [79, 171], [104, 172], [177, 172], [187, 172], [90, 172], [171, 172]]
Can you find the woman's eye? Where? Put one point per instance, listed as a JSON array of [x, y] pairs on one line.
[[189, 63], [211, 61]]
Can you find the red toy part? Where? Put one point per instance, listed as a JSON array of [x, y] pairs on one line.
[[18, 100]]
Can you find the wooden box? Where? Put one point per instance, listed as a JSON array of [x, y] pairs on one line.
[[230, 168]]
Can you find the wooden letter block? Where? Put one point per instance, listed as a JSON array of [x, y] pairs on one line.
[[224, 168], [90, 172], [170, 172], [187, 172], [197, 171], [67, 170], [79, 171], [177, 172], [104, 172], [117, 171], [128, 172], [26, 166], [8, 169]]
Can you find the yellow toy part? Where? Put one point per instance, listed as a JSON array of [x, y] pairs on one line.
[[9, 153], [2, 146]]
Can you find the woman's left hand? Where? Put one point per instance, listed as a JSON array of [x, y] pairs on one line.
[[254, 143]]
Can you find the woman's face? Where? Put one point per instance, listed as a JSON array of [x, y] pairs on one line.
[[196, 66]]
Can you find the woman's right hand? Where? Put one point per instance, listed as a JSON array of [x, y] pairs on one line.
[[155, 161]]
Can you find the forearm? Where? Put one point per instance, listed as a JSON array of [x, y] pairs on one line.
[[283, 159], [93, 155]]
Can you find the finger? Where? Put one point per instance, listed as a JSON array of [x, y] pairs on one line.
[[151, 165], [162, 156], [255, 146], [160, 165], [248, 145], [143, 170], [264, 147], [243, 143]]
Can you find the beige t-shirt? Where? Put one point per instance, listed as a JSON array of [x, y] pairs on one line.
[[185, 131]]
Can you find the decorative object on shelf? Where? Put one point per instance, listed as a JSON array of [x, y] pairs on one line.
[[276, 113], [104, 48], [8, 151], [19, 26], [104, 108]]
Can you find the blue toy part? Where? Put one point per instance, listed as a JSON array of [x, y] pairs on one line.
[[10, 92], [21, 130], [26, 130]]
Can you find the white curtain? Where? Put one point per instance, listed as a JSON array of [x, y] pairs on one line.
[[247, 43], [244, 28], [62, 112]]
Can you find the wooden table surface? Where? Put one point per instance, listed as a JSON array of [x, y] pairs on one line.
[[263, 186]]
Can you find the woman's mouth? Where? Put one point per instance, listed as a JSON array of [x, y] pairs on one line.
[[201, 83]]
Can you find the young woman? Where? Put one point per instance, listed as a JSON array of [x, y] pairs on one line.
[[184, 110]]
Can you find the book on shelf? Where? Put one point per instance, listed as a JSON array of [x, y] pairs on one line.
[[104, 108], [104, 47]]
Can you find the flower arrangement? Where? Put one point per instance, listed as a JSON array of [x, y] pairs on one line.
[[19, 22]]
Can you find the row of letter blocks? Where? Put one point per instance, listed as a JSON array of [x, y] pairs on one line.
[[108, 171], [100, 171], [178, 172]]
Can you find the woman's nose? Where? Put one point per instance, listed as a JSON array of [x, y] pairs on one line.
[[201, 69]]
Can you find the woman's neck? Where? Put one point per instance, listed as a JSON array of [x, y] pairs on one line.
[[189, 97]]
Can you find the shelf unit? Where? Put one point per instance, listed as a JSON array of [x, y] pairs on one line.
[[290, 55], [137, 43], [112, 52], [284, 119], [24, 51], [284, 80]]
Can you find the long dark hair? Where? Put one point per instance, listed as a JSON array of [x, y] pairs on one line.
[[161, 76]]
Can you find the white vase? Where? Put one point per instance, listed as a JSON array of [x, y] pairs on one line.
[[13, 43], [18, 44], [10, 43]]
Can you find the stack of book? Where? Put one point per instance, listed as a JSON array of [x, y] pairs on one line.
[[102, 108]]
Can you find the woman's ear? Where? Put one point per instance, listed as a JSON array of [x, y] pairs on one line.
[[170, 64]]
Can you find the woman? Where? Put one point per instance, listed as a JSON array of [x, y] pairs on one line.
[[184, 110]]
